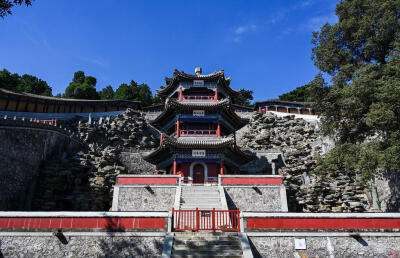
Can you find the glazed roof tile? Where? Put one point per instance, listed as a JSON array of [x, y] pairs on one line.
[[197, 142], [222, 104], [220, 75]]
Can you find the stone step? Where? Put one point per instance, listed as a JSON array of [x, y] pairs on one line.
[[201, 200], [207, 253], [207, 208], [200, 195], [199, 192], [213, 240], [200, 186], [208, 247]]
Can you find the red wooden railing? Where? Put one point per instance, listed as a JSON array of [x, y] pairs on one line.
[[186, 180], [197, 220], [49, 122], [198, 98], [198, 132]]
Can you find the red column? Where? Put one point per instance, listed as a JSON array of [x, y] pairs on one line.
[[177, 128], [276, 108], [156, 171], [309, 111], [218, 129], [298, 110], [213, 219], [180, 94], [216, 94], [221, 168], [287, 109], [197, 220], [174, 166], [260, 109]]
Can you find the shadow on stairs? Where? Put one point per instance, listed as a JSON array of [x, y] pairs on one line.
[[207, 244]]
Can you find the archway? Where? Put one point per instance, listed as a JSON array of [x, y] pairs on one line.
[[200, 168]]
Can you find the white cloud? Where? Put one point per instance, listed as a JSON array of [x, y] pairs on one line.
[[282, 13], [315, 23], [243, 29]]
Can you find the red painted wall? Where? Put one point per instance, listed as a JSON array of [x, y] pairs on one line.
[[250, 181], [213, 169], [185, 168], [102, 223], [148, 180], [322, 223]]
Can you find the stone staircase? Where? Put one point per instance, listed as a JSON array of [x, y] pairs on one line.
[[202, 197], [216, 244]]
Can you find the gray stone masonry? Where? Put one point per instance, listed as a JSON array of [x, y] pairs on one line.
[[135, 164], [146, 198], [24, 146], [86, 179], [80, 246], [366, 246], [255, 198]]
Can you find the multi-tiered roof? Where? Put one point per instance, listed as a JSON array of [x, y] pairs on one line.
[[198, 118]]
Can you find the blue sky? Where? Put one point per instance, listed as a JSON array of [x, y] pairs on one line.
[[265, 46]]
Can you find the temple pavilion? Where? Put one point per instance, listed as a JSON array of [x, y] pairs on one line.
[[198, 128]]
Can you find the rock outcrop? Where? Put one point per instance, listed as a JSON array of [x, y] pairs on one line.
[[298, 141], [85, 180]]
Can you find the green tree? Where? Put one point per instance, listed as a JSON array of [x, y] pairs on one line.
[[79, 77], [304, 93], [9, 81], [144, 94], [32, 84], [6, 5], [361, 53], [123, 92], [243, 98], [107, 93], [82, 87], [25, 83], [135, 92]]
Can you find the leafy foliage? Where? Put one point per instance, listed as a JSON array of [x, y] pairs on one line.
[[136, 92], [299, 94], [362, 107], [243, 98], [6, 5], [107, 93], [25, 83], [82, 87]]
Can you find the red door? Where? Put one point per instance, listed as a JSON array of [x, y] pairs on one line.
[[198, 174]]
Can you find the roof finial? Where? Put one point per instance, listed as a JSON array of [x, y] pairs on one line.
[[198, 70]]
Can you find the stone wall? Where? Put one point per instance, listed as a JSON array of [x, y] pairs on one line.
[[81, 246], [24, 146], [135, 164], [85, 180], [146, 198], [256, 198], [368, 246]]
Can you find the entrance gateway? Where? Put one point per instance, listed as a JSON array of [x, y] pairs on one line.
[[197, 128], [198, 174]]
